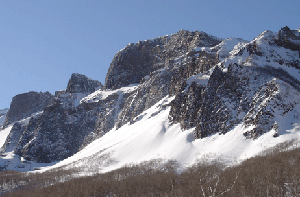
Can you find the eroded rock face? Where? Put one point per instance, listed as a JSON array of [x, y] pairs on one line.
[[56, 134], [178, 62], [82, 84], [289, 39], [273, 99], [247, 95], [64, 127], [211, 108], [23, 105], [135, 61], [60, 132], [252, 92]]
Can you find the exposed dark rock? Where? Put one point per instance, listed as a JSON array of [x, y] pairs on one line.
[[220, 105], [147, 94], [185, 106], [171, 79], [62, 131], [82, 84], [134, 62], [59, 93], [288, 38], [23, 105], [272, 98]]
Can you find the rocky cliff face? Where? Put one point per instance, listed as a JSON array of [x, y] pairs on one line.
[[248, 87], [216, 84], [23, 105], [177, 61], [81, 84], [135, 61]]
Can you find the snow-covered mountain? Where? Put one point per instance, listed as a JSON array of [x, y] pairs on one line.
[[184, 97], [3, 113]]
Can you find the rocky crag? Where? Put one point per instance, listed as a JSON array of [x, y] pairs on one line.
[[23, 105], [216, 84]]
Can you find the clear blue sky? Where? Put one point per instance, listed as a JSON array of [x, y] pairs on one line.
[[43, 42]]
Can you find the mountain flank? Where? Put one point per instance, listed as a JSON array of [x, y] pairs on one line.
[[213, 84]]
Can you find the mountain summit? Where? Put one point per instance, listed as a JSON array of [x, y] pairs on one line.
[[172, 97]]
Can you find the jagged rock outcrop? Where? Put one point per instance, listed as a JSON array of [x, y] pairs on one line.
[[178, 61], [60, 132], [23, 105], [135, 61], [222, 103], [56, 134], [289, 39], [271, 103], [243, 92], [64, 127], [82, 84]]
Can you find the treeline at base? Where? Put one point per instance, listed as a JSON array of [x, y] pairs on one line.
[[274, 173]]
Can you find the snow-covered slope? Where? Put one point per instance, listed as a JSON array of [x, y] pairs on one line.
[[3, 135], [153, 137]]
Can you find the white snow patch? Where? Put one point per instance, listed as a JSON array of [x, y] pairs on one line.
[[103, 94], [13, 162], [229, 47], [3, 135], [206, 49], [78, 98], [226, 48], [201, 79]]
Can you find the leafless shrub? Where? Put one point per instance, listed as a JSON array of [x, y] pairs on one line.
[[274, 174]]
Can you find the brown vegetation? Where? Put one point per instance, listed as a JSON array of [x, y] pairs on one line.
[[275, 173]]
